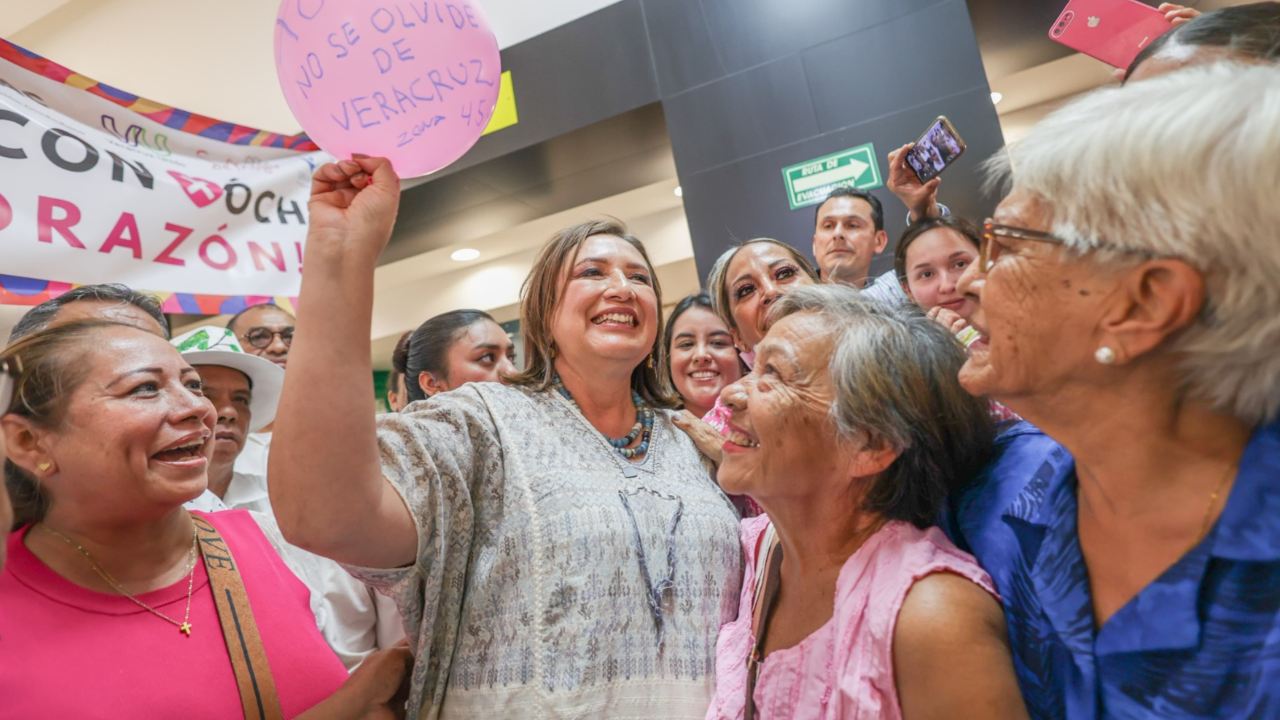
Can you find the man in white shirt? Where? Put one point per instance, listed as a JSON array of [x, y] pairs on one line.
[[266, 331], [848, 233], [848, 229], [245, 389]]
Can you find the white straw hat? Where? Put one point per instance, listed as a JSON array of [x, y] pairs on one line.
[[212, 345]]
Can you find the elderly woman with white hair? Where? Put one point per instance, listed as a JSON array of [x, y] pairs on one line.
[[1127, 288], [850, 431]]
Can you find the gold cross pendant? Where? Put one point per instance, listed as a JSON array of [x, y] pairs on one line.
[[185, 629]]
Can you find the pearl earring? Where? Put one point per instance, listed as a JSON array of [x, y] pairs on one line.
[[1105, 355]]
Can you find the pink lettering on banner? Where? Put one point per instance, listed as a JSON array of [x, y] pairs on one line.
[[47, 224], [184, 245], [180, 235], [224, 249], [415, 81], [125, 234], [260, 255]]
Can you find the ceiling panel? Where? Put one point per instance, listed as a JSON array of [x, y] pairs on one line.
[[601, 160]]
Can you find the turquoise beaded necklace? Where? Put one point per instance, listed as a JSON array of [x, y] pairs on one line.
[[643, 428]]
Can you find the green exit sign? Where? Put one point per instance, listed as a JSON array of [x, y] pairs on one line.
[[809, 182]]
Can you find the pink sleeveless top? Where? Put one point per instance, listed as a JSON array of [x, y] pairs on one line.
[[844, 670], [70, 652]]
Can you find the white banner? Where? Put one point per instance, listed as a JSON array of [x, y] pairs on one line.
[[91, 192]]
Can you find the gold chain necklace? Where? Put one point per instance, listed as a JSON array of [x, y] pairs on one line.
[[1213, 501], [184, 627]]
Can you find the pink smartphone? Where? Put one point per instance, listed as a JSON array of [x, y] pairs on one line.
[[1113, 31]]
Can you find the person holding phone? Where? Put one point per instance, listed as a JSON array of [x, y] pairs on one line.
[[920, 196], [1243, 32]]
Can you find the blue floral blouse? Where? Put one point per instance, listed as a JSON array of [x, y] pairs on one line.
[[1201, 641]]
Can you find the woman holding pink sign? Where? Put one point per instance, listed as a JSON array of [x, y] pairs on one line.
[[556, 545]]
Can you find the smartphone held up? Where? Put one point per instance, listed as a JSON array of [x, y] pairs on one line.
[[1113, 31], [936, 149]]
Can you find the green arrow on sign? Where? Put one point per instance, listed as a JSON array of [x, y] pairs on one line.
[[809, 182]]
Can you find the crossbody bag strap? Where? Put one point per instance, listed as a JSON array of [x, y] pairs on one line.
[[244, 644], [767, 581]]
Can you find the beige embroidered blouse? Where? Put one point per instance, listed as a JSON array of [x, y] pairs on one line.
[[529, 597]]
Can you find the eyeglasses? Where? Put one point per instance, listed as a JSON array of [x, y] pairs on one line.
[[261, 337], [989, 249]]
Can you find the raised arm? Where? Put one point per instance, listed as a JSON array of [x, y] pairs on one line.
[[326, 482], [920, 198]]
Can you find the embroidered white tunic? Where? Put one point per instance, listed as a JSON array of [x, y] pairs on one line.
[[528, 597]]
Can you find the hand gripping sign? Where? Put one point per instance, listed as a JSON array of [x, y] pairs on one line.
[[412, 80]]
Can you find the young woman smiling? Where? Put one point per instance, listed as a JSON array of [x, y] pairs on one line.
[[700, 354], [929, 260]]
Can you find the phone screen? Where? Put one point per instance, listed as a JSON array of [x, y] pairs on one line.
[[937, 148]]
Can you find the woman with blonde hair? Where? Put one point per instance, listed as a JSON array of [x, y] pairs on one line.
[[555, 545], [745, 281]]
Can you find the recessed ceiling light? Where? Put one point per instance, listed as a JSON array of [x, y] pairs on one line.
[[679, 191], [996, 97], [465, 254]]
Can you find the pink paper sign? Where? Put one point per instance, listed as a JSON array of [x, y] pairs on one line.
[[411, 80]]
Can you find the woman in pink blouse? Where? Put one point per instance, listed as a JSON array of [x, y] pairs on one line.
[[850, 431]]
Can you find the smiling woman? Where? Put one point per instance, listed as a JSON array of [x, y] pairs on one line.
[[744, 283], [105, 569], [555, 545], [700, 353], [1127, 295], [850, 431], [747, 279]]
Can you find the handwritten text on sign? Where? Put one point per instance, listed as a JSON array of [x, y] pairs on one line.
[[413, 80]]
